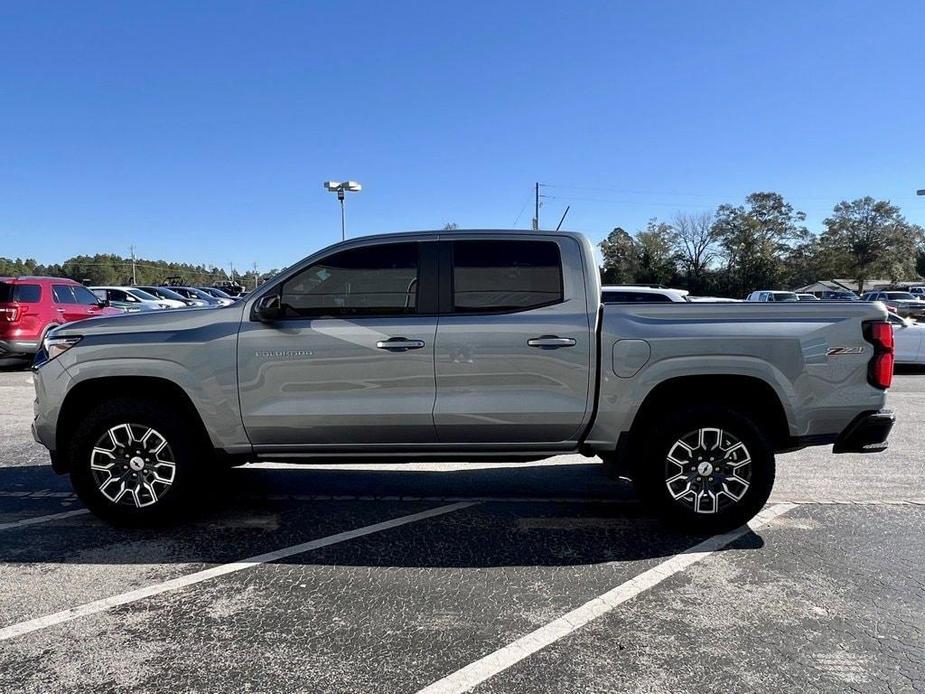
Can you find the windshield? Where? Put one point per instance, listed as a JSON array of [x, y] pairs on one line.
[[198, 294], [141, 294], [217, 292], [898, 296]]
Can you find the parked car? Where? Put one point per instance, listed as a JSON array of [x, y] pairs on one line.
[[218, 294], [460, 346], [148, 296], [837, 295], [129, 302], [802, 296], [632, 294], [167, 294], [194, 294], [918, 292], [770, 295], [231, 288], [905, 304], [909, 338], [32, 306]]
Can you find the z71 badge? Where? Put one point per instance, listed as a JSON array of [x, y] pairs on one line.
[[840, 351]]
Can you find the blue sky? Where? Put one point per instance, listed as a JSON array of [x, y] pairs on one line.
[[202, 131]]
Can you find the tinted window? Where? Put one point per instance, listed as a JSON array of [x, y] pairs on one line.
[[23, 293], [84, 296], [141, 294], [634, 298], [899, 296], [63, 294], [505, 275], [374, 280]]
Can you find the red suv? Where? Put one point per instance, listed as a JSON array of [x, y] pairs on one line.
[[31, 306]]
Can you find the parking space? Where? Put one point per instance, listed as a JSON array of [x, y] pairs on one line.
[[394, 578]]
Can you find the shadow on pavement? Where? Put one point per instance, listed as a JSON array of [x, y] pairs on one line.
[[238, 522]]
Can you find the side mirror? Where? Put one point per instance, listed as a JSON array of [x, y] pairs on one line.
[[268, 308], [102, 303]]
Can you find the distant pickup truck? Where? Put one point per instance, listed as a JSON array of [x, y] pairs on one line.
[[468, 346]]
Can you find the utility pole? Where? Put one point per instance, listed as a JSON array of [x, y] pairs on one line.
[[536, 207], [134, 280], [255, 274]]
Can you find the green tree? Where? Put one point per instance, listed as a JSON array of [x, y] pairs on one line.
[[874, 238], [621, 260], [756, 238], [655, 248]]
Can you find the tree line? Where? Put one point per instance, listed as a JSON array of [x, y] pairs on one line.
[[764, 244], [109, 269]]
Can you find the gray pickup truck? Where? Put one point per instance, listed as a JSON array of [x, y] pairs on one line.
[[463, 345]]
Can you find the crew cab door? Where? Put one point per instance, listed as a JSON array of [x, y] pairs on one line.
[[350, 360], [513, 354]]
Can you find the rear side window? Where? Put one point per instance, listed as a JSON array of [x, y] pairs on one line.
[[369, 281], [23, 293], [496, 276], [62, 293]]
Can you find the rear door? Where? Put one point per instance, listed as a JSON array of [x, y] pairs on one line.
[[513, 354], [66, 306], [351, 361]]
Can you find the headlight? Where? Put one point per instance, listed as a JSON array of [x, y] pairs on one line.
[[56, 346]]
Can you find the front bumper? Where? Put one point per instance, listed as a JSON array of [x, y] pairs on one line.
[[867, 433]]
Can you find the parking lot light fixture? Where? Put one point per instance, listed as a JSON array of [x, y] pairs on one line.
[[340, 187]]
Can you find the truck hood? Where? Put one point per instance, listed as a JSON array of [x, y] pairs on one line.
[[165, 322]]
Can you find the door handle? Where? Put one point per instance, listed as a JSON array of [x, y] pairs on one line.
[[399, 344], [551, 342]]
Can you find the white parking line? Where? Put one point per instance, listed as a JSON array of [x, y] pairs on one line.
[[477, 672], [43, 519], [96, 606]]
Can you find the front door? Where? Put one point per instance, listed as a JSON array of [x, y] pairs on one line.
[[351, 360], [513, 359]]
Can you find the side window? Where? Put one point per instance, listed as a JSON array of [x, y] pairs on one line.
[[368, 281], [27, 293], [491, 276], [62, 294], [100, 293], [84, 296]]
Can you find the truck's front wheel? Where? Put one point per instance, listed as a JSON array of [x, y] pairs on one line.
[[132, 463], [707, 467]]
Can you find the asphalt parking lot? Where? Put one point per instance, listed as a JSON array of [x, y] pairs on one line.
[[495, 578]]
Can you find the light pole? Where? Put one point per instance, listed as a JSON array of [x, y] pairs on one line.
[[340, 188]]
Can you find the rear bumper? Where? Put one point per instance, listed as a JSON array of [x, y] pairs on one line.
[[867, 433], [18, 346]]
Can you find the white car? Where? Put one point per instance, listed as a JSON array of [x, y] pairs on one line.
[[909, 339], [130, 298], [632, 294], [769, 295]]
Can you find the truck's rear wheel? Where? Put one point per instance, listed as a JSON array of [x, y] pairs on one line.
[[708, 468], [132, 463]]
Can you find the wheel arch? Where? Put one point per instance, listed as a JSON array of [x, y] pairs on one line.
[[750, 395], [89, 392]]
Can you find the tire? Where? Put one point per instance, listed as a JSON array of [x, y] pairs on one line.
[[707, 468], [134, 463]]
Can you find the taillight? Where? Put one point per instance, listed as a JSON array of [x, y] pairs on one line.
[[9, 313], [880, 368]]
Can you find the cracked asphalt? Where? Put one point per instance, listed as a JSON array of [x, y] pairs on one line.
[[828, 596]]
